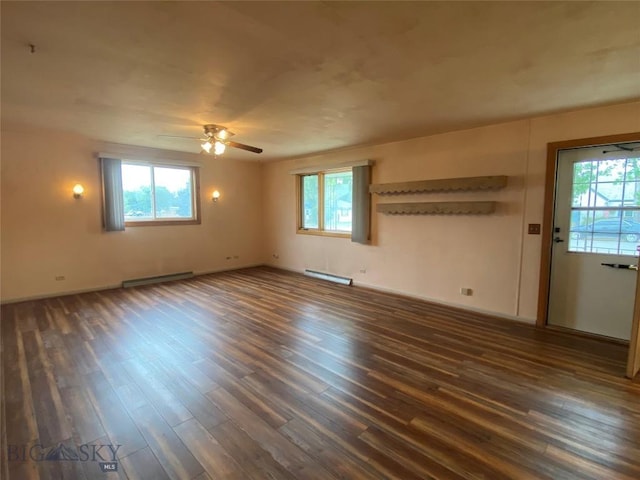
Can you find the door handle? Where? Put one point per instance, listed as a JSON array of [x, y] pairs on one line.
[[624, 266], [558, 240]]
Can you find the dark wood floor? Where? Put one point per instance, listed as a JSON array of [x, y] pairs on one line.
[[265, 374]]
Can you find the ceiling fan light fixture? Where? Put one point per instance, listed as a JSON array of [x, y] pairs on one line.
[[206, 146], [217, 138], [219, 147]]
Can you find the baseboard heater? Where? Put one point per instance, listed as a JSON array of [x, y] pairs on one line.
[[328, 276], [136, 282]]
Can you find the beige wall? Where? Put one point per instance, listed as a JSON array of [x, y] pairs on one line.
[[434, 256], [46, 232]]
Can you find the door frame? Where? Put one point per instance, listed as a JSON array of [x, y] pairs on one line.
[[633, 360], [547, 233]]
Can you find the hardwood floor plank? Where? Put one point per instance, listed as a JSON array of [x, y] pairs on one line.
[[113, 415], [19, 416], [285, 453], [267, 374], [85, 423], [202, 409], [176, 459], [256, 462], [53, 426], [327, 452], [289, 404], [166, 403], [143, 465], [436, 463], [211, 455]]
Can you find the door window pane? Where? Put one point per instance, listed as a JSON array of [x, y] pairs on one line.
[[608, 194], [582, 194], [632, 194], [603, 231], [310, 201], [632, 169], [605, 214], [611, 170]]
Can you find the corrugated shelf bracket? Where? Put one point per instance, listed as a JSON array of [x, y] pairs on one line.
[[465, 184], [437, 208]]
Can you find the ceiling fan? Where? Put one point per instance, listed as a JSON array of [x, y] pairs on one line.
[[216, 138]]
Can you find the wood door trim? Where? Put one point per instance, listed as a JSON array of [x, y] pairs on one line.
[[547, 219], [633, 361]]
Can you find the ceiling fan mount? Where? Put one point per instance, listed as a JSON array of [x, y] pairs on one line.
[[217, 137], [217, 132]]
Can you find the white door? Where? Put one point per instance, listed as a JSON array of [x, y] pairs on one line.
[[596, 235]]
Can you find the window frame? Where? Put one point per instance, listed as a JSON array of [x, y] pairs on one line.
[[300, 210], [195, 196]]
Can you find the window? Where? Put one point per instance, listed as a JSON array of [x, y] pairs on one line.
[[605, 210], [325, 203], [159, 194]]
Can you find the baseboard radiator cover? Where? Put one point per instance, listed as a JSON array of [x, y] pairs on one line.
[[329, 277], [137, 282]]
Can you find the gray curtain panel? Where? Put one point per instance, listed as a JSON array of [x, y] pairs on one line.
[[113, 201], [361, 204]]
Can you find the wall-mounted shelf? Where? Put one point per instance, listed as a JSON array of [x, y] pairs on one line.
[[437, 208], [466, 184]]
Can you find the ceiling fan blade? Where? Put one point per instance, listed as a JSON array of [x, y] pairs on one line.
[[242, 146], [179, 136]]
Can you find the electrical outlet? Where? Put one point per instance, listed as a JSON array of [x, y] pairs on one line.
[[467, 292], [59, 278]]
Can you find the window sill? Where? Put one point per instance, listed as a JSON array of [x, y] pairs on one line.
[[323, 233], [162, 223]]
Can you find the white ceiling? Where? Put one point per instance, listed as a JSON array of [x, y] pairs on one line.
[[301, 77]]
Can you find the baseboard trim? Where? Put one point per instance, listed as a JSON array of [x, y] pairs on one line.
[[112, 286], [60, 294], [482, 311], [197, 273], [505, 316], [515, 318]]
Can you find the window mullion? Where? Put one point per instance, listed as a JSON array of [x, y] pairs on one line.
[[303, 199], [321, 201], [153, 193], [194, 193]]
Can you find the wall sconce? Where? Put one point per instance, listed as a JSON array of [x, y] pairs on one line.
[[215, 196], [78, 190]]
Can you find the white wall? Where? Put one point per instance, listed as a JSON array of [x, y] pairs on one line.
[[47, 233], [434, 256]]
